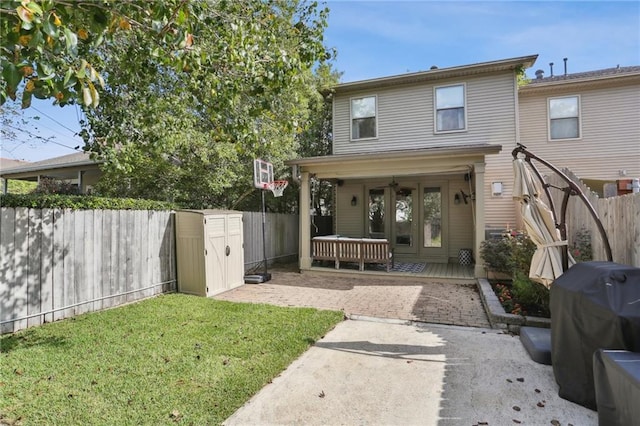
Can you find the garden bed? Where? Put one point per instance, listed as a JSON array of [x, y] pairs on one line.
[[513, 304]]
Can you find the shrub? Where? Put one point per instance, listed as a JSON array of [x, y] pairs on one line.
[[54, 186], [509, 254], [497, 255], [581, 249], [80, 202], [530, 293]]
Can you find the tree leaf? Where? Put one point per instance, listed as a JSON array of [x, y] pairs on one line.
[[95, 97], [26, 99], [86, 96], [71, 41], [49, 28]]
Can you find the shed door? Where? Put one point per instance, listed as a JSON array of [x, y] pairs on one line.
[[235, 259], [215, 254]]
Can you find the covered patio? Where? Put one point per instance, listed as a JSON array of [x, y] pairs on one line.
[[428, 204]]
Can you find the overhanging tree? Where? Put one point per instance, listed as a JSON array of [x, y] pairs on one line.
[[180, 95], [191, 135]]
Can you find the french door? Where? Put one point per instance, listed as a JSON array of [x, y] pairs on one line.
[[412, 216]]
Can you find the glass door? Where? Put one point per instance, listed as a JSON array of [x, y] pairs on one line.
[[376, 217], [432, 223], [404, 231]]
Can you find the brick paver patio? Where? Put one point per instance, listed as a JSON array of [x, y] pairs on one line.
[[405, 298]]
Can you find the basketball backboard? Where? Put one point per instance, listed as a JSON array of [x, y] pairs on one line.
[[262, 174]]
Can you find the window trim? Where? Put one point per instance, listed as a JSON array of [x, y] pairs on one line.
[[435, 109], [579, 117], [351, 138]]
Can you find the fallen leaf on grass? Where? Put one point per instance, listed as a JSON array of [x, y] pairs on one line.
[[520, 379], [321, 394], [537, 390], [555, 423], [517, 421], [515, 407], [509, 380], [175, 415], [540, 404]]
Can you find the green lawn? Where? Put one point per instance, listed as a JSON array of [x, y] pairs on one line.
[[171, 359]]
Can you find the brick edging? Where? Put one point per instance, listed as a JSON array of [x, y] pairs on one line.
[[498, 318]]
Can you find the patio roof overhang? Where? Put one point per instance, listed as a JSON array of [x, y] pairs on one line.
[[435, 160]]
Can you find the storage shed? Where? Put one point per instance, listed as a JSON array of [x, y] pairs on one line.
[[209, 251]]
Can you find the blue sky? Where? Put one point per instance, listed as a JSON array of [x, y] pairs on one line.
[[382, 38]]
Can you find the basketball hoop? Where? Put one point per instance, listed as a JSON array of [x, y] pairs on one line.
[[278, 187]]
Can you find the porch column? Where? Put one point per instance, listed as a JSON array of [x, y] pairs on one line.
[[480, 215], [5, 185], [80, 182], [305, 222]]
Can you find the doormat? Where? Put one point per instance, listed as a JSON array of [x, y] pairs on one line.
[[408, 267]]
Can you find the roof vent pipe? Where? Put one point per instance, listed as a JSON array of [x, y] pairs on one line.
[[565, 65], [539, 74], [551, 66]]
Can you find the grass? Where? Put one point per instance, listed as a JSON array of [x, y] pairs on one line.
[[174, 359]]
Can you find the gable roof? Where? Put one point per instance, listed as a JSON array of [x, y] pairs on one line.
[[64, 167], [66, 161], [438, 74], [7, 163]]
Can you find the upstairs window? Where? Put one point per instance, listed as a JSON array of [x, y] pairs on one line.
[[564, 118], [450, 108], [363, 118]]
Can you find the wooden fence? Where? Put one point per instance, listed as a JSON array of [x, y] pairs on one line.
[[619, 215], [57, 263], [281, 238]]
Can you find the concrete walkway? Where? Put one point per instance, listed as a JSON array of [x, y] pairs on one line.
[[395, 363], [389, 373]]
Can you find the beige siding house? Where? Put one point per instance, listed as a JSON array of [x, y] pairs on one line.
[[415, 158], [596, 133], [424, 159]]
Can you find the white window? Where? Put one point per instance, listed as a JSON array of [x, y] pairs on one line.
[[450, 108], [564, 118], [363, 118]]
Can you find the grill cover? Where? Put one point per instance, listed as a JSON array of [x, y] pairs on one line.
[[594, 305]]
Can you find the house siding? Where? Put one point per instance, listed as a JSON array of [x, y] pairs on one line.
[[610, 119], [460, 219], [351, 217], [406, 116]]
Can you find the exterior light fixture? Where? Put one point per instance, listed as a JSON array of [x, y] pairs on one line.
[[496, 188], [456, 198], [354, 200]]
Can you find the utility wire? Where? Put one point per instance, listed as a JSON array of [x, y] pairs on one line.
[[54, 120], [44, 139]]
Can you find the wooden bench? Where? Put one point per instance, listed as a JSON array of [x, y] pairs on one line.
[[343, 249]]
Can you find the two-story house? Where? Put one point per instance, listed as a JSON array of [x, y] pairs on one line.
[[588, 122], [416, 160]]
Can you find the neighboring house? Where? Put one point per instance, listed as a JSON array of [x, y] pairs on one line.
[[587, 122], [424, 159], [414, 157], [77, 169]]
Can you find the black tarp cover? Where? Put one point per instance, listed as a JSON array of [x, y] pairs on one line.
[[594, 305]]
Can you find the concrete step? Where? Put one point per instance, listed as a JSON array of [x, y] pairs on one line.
[[537, 342]]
